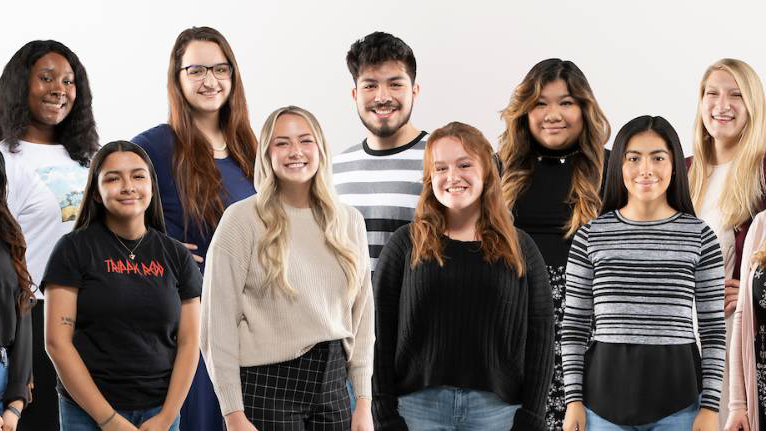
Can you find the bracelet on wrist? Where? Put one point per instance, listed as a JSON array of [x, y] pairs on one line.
[[109, 419], [14, 410]]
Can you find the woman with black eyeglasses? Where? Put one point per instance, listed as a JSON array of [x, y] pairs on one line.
[[204, 158]]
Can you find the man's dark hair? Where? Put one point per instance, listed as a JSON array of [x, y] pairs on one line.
[[377, 48]]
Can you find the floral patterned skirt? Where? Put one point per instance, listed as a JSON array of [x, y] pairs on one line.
[[556, 407], [760, 378]]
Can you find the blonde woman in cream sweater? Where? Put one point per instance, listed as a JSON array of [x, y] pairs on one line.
[[287, 311]]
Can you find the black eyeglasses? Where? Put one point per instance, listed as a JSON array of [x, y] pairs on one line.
[[198, 72]]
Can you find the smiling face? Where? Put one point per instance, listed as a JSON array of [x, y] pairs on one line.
[[209, 94], [293, 151], [457, 177], [647, 168], [722, 109], [124, 186], [384, 96], [555, 120], [52, 90]]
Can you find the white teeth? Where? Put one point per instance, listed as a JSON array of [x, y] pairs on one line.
[[722, 117], [455, 189], [296, 165]]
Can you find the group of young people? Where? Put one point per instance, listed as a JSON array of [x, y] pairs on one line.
[[414, 281]]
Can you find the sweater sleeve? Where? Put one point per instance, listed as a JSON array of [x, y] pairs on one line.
[[387, 286], [708, 296], [538, 357], [363, 315], [221, 311], [20, 361], [576, 326]]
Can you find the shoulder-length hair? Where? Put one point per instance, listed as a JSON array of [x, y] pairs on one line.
[[616, 195], [91, 210], [744, 185], [11, 235], [198, 180], [77, 132], [499, 239], [517, 155], [331, 218]]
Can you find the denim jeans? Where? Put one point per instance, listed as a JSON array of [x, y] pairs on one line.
[[682, 420], [73, 418], [448, 408], [3, 384]]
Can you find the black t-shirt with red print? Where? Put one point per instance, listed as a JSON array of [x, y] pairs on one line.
[[128, 310]]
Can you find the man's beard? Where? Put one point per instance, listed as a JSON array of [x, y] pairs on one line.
[[386, 130]]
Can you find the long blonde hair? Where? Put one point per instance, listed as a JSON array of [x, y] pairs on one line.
[[272, 248], [499, 239], [516, 152], [744, 185]]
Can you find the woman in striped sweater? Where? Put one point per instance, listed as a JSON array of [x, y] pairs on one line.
[[637, 270]]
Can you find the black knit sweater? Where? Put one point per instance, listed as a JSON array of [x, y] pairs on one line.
[[469, 324]]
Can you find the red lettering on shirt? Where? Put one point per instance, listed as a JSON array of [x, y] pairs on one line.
[[154, 269]]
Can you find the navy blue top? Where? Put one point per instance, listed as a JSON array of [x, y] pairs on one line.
[[159, 143]]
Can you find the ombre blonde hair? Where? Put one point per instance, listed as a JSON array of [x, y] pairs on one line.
[[517, 155], [744, 186], [332, 219]]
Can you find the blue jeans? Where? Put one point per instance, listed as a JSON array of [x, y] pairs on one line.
[[448, 408], [3, 384], [73, 418], [682, 420]]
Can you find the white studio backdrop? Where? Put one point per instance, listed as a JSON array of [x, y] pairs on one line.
[[640, 57]]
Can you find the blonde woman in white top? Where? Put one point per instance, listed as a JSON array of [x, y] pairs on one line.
[[287, 313], [726, 174]]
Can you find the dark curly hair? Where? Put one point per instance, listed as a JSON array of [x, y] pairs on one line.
[[377, 48], [77, 133]]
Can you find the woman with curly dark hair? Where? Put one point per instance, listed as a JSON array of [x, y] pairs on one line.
[[48, 136], [16, 299]]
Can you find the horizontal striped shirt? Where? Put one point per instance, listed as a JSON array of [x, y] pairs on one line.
[[384, 185], [639, 281]]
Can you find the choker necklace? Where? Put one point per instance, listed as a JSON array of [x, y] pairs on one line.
[[221, 148], [131, 253], [562, 158]]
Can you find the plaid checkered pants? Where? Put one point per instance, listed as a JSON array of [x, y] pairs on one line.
[[307, 393]]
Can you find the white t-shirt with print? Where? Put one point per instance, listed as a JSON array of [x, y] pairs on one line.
[[45, 188]]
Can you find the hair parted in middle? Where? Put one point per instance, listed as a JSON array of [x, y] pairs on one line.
[[744, 185], [516, 150], [499, 239], [328, 212], [198, 180], [616, 194], [377, 48], [92, 210]]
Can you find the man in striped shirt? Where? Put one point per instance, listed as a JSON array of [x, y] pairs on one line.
[[382, 176]]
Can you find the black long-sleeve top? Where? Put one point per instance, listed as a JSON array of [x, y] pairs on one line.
[[15, 331], [469, 324]]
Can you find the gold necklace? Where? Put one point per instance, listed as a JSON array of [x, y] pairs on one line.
[[131, 253]]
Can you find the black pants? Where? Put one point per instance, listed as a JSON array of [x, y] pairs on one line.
[[304, 394], [43, 413]]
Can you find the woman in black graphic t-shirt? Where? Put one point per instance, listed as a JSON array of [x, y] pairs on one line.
[[122, 307]]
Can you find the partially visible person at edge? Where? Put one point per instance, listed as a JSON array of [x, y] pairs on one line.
[[747, 351], [279, 345], [122, 304], [204, 159], [464, 316], [16, 300], [726, 173], [553, 158], [48, 136], [633, 276], [381, 177]]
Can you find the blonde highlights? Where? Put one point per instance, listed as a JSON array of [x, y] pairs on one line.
[[517, 156], [744, 183], [272, 249], [499, 239]]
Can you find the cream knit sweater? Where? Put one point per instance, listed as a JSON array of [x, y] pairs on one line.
[[244, 325]]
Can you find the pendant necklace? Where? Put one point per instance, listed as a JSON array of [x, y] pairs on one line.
[[562, 158], [131, 253]]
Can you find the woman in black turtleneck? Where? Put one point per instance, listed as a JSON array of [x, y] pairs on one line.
[[16, 299], [553, 157]]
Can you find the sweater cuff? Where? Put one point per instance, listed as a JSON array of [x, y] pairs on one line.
[[230, 398], [362, 382], [525, 420]]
